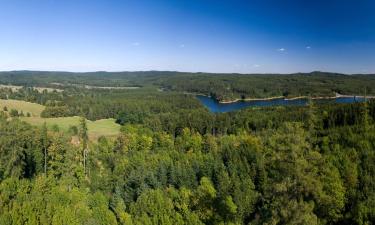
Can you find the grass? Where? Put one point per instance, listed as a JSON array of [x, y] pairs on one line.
[[13, 87], [39, 89], [34, 109], [104, 127]]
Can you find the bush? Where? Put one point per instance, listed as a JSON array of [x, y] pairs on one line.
[[73, 130], [13, 113]]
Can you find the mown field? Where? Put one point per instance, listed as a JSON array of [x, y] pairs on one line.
[[104, 127]]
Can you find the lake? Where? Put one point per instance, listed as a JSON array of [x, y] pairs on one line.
[[216, 107]]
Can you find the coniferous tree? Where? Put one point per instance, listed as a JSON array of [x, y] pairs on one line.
[[83, 134], [45, 145]]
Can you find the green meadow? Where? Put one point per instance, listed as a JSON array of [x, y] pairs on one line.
[[103, 127], [26, 107]]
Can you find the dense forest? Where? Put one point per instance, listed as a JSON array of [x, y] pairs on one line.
[[219, 86], [177, 163]]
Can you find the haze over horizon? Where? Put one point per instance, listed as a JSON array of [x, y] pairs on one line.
[[178, 71], [196, 36]]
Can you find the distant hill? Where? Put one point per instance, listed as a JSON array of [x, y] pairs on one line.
[[222, 86]]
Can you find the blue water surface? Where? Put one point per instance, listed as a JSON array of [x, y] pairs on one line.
[[216, 107]]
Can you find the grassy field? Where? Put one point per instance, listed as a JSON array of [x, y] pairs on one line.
[[34, 109], [40, 89], [104, 127], [13, 87]]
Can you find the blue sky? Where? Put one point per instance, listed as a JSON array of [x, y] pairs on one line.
[[259, 36]]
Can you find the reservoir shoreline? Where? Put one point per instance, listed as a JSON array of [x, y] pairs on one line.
[[215, 106], [284, 98]]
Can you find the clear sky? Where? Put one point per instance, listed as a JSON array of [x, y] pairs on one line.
[[254, 36]]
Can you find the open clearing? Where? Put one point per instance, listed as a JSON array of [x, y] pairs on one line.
[[39, 89], [27, 107], [96, 87], [104, 127]]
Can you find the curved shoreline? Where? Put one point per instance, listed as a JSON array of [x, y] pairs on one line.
[[337, 95], [293, 98]]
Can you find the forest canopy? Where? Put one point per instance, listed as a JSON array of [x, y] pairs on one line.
[[174, 162]]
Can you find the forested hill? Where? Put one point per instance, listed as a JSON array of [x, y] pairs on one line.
[[220, 86], [171, 161], [250, 167]]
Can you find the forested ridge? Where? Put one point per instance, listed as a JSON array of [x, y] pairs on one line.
[[176, 163], [219, 86]]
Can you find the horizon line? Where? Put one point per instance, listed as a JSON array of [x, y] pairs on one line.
[[176, 71]]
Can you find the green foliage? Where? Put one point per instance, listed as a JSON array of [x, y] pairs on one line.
[[83, 132], [175, 163], [55, 111], [43, 201], [13, 113]]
